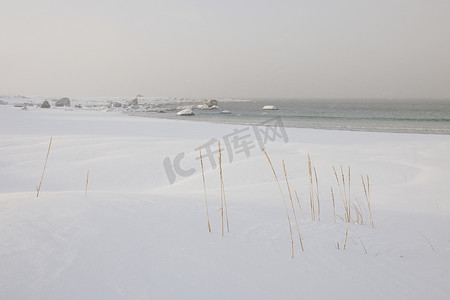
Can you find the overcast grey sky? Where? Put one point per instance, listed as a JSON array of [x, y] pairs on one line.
[[226, 48]]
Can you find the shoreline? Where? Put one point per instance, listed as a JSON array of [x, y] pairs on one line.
[[319, 114], [420, 131]]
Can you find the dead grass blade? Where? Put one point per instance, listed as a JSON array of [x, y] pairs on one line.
[[284, 201], [367, 195], [292, 204], [365, 250], [298, 201], [223, 200], [346, 235], [204, 188], [311, 190], [434, 249], [38, 188], [334, 206], [87, 182], [317, 195]]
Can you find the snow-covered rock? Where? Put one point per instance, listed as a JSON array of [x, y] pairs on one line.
[[270, 107], [186, 112], [207, 107], [210, 103], [133, 103]]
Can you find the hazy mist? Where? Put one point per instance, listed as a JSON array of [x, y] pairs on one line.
[[256, 48]]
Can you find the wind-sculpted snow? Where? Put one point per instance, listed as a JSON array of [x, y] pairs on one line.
[[136, 236]]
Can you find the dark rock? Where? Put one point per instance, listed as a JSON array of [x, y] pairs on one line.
[[45, 104]]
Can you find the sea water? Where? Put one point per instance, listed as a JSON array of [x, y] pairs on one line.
[[404, 116]]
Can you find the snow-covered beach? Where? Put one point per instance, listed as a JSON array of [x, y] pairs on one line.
[[137, 228]]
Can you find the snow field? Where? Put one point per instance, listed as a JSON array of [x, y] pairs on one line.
[[136, 236]]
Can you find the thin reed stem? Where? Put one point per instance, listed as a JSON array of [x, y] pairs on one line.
[[427, 240], [340, 192], [334, 206], [204, 188], [347, 210], [222, 192], [292, 204], [367, 195], [87, 182], [365, 250], [298, 201], [226, 209], [317, 195], [346, 234], [284, 202], [311, 190], [38, 188], [349, 205], [370, 201]]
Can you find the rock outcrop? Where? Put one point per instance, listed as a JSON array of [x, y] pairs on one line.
[[62, 102], [45, 104], [210, 103]]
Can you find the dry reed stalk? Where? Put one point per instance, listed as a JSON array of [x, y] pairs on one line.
[[360, 212], [347, 210], [204, 188], [359, 216], [226, 209], [311, 192], [365, 250], [222, 192], [87, 182], [340, 192], [317, 195], [349, 205], [38, 188], [370, 201], [284, 201], [427, 240], [367, 195], [292, 204], [298, 201], [334, 207], [346, 234]]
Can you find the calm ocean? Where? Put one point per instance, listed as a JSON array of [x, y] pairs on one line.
[[404, 116]]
